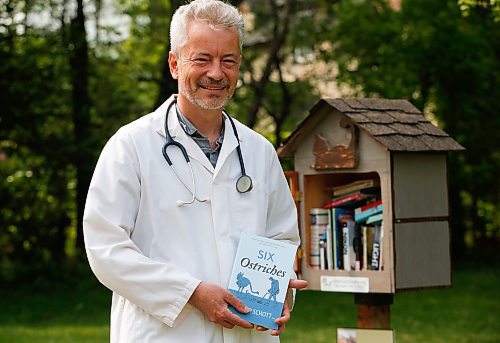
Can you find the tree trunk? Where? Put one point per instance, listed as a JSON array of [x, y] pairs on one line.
[[280, 34], [83, 160]]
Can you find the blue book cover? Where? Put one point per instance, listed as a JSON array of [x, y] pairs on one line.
[[261, 272]]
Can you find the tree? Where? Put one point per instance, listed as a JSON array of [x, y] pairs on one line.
[[448, 66], [81, 105]]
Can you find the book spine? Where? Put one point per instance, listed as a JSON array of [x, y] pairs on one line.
[[329, 248], [367, 206], [345, 247], [349, 255], [322, 264], [314, 246], [364, 262], [343, 200], [374, 219], [363, 215], [334, 232], [377, 248]]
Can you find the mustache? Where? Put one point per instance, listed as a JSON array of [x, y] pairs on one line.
[[211, 82]]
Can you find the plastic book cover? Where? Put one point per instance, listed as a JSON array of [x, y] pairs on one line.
[[261, 272]]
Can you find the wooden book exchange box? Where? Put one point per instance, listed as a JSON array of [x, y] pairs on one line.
[[373, 152]]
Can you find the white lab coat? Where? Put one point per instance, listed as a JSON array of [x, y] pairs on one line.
[[151, 253]]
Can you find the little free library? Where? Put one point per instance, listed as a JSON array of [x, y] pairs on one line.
[[370, 185]]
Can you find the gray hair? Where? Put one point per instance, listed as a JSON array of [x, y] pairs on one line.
[[217, 13]]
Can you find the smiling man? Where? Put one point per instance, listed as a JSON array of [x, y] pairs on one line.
[[166, 205]]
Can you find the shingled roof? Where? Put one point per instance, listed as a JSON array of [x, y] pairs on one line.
[[394, 123]]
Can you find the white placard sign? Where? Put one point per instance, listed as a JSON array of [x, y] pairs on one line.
[[345, 284]]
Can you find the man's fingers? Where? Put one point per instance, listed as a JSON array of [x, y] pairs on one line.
[[298, 284], [236, 303], [235, 320]]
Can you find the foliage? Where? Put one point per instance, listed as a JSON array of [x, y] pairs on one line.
[[35, 174], [441, 55], [448, 66]]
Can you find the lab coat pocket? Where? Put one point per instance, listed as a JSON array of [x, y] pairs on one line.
[[251, 208]]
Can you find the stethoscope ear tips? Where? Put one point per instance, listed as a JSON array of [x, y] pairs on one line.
[[179, 203]]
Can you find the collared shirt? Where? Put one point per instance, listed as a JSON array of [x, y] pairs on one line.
[[201, 140]]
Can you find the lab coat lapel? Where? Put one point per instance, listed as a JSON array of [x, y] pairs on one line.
[[229, 144]]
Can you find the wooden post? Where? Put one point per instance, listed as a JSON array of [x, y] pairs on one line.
[[374, 310]]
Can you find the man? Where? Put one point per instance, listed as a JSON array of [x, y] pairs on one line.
[[162, 238]]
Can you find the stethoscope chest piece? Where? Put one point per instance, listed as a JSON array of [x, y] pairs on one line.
[[244, 184]]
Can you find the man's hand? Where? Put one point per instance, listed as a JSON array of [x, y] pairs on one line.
[[213, 300], [285, 314]]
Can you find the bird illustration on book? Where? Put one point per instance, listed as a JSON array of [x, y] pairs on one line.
[[273, 291], [243, 282]]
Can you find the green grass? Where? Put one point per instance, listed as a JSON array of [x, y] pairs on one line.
[[78, 311], [467, 313]]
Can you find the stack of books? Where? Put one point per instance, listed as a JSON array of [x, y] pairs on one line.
[[351, 239]]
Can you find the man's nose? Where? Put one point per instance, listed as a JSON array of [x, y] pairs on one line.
[[215, 70]]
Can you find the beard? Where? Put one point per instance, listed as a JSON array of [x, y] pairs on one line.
[[212, 102]]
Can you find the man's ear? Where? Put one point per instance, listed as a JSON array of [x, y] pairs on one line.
[[173, 65]]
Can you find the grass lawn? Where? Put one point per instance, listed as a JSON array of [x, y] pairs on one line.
[[79, 312]]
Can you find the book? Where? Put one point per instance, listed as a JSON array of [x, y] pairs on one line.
[[368, 205], [314, 242], [368, 239], [261, 271], [348, 201], [375, 263], [348, 253], [361, 216], [339, 216], [375, 219], [364, 237], [354, 186]]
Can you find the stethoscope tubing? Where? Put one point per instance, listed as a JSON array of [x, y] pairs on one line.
[[244, 182]]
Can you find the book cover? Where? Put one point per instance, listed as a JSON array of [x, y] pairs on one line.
[[260, 276]]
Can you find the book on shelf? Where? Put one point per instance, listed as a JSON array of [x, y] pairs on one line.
[[329, 244], [368, 205], [260, 276], [355, 186], [375, 219], [349, 201], [348, 253], [339, 216], [314, 246], [361, 216], [364, 237], [376, 251]]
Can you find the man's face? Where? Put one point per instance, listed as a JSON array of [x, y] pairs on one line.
[[207, 66]]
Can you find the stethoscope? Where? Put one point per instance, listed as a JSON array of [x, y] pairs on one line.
[[244, 182]]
